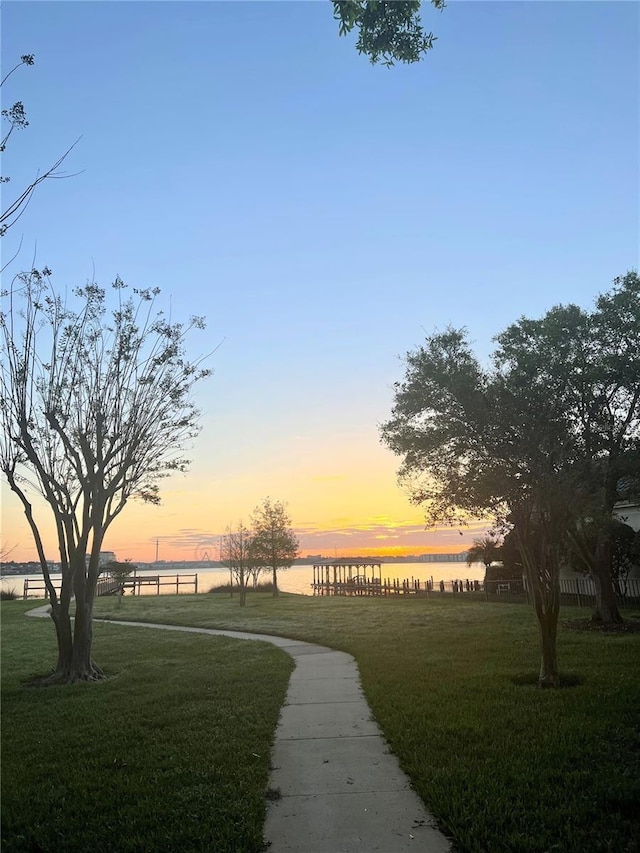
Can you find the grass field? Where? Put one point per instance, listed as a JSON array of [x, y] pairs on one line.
[[170, 754], [504, 767]]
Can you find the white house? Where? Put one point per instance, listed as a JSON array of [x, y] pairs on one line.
[[628, 512]]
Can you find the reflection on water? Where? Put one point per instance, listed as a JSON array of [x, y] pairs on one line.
[[297, 579]]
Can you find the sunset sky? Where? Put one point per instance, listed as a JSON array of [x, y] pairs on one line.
[[325, 215]]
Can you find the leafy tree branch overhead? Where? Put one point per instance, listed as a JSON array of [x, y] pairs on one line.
[[388, 32]]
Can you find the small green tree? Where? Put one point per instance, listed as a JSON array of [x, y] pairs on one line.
[[485, 550], [275, 545], [120, 572]]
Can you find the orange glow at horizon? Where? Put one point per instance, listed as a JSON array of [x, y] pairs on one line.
[[340, 491], [397, 551]]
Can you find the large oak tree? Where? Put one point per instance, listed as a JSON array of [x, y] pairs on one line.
[[540, 439], [477, 442], [589, 361]]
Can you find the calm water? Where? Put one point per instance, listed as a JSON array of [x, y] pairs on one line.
[[298, 579]]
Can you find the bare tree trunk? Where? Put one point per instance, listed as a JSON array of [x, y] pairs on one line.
[[606, 610], [75, 635], [81, 665], [64, 636], [548, 627], [275, 581], [74, 646]]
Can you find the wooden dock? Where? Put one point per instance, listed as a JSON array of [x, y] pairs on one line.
[[373, 587]]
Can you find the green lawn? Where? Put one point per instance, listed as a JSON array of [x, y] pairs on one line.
[[503, 765], [170, 754]]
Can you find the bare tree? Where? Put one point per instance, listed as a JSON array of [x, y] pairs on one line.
[[236, 555], [95, 408], [5, 550]]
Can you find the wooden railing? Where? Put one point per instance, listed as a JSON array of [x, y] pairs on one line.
[[136, 582], [107, 585]]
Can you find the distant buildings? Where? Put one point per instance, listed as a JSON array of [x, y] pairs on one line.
[[443, 558], [33, 567], [105, 557], [460, 557]]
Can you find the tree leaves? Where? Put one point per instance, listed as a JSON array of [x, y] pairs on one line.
[[388, 32]]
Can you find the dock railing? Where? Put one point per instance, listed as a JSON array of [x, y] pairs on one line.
[[573, 591], [108, 585]]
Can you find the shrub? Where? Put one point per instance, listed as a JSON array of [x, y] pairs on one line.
[[8, 595], [267, 586]]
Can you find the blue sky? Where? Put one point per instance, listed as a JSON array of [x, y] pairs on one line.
[[324, 214]]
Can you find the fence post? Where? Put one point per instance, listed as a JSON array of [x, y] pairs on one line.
[[196, 582], [25, 593], [578, 592]]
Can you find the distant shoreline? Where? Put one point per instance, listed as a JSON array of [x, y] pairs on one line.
[[8, 570]]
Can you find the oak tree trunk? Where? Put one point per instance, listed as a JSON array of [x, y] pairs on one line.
[[606, 610]]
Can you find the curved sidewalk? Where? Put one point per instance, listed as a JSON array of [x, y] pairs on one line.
[[334, 785]]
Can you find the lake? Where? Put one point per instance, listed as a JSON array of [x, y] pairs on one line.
[[297, 579]]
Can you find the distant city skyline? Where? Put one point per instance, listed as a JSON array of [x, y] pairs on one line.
[[11, 565], [324, 215]]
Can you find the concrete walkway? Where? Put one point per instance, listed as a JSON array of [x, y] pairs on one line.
[[334, 786]]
